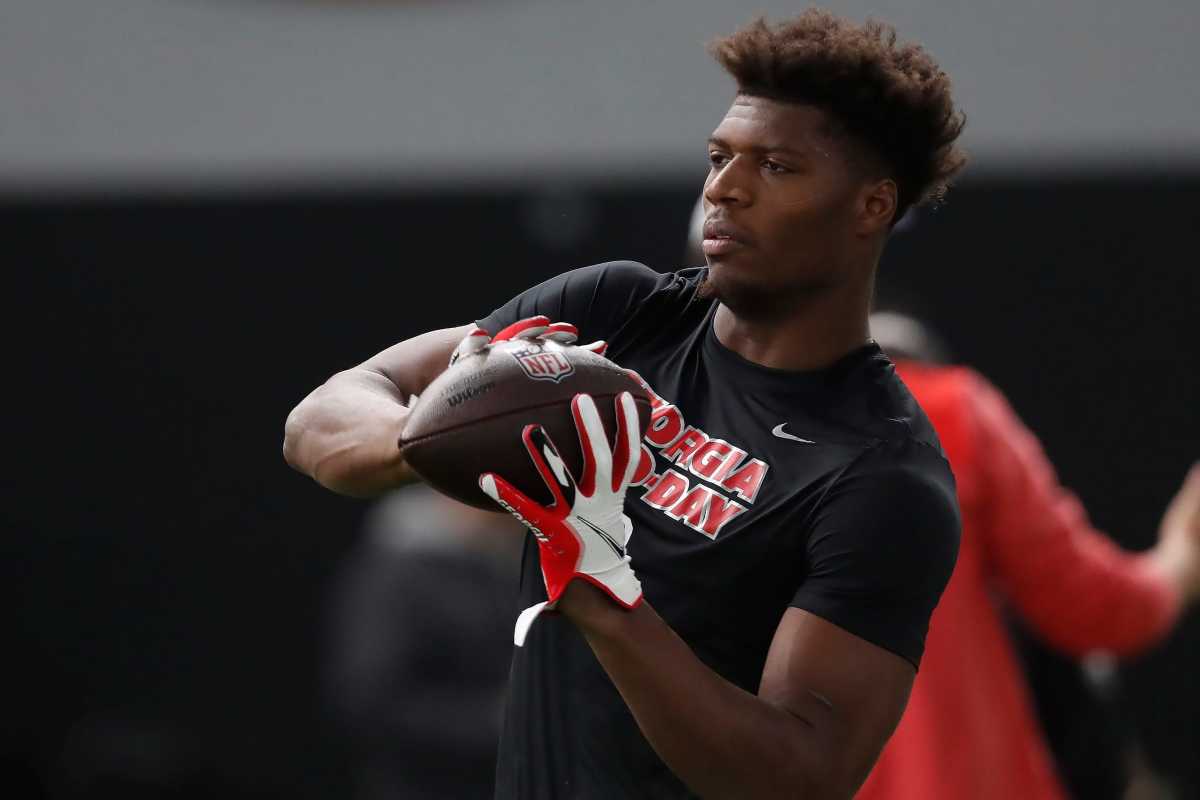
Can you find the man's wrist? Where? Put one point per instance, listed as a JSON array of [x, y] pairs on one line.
[[590, 608]]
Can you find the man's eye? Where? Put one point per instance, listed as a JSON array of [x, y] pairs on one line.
[[774, 167], [717, 159]]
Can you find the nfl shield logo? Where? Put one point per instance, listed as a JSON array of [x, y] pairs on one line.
[[544, 365]]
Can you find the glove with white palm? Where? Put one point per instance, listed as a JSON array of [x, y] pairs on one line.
[[584, 532]]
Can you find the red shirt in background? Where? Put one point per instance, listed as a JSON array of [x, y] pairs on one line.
[[970, 730]]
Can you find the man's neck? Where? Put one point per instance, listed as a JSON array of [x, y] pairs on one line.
[[815, 337]]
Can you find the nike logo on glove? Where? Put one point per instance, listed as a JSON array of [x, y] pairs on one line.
[[610, 541], [782, 434]]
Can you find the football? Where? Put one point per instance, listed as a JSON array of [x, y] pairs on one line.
[[470, 419]]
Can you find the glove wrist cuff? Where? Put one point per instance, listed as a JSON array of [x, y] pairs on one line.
[[618, 582]]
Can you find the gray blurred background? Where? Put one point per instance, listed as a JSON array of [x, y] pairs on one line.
[[228, 91], [211, 205]]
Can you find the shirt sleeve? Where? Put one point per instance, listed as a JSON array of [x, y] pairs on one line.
[[596, 299], [1075, 587], [882, 547]]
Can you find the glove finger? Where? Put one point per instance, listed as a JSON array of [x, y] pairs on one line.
[[550, 466], [560, 332], [597, 347], [597, 454], [530, 333], [624, 461], [510, 498], [521, 326], [473, 342]]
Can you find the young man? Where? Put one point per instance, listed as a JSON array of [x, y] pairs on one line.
[[795, 522]]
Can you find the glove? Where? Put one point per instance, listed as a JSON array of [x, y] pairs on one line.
[[533, 328], [583, 533]]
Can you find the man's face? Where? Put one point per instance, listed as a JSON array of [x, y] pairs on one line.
[[780, 205]]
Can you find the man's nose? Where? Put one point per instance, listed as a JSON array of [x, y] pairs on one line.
[[727, 186]]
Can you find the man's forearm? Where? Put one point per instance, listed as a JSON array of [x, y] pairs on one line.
[[719, 739], [344, 435]]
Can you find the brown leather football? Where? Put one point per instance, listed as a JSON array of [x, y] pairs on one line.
[[470, 419]]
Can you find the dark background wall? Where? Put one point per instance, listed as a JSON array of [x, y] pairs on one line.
[[167, 572]]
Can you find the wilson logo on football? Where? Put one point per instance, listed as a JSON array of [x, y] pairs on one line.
[[544, 365]]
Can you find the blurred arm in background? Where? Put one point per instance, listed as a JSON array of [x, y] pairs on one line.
[[1075, 586], [344, 434]]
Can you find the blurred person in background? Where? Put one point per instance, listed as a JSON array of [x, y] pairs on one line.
[[970, 729], [419, 643]]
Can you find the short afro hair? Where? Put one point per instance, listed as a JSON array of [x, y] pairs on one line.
[[890, 96]]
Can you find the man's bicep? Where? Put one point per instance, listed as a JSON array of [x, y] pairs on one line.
[[413, 363], [877, 556], [851, 693]]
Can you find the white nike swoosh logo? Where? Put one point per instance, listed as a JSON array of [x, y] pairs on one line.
[[778, 431]]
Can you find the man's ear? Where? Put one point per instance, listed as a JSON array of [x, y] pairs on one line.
[[877, 206]]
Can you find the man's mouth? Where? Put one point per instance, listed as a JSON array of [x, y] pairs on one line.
[[719, 246], [722, 237]]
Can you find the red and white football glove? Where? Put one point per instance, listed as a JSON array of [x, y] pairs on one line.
[[583, 533], [533, 328]]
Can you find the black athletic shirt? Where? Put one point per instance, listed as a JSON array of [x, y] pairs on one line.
[[824, 490]]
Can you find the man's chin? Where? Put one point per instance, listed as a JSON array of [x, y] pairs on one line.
[[739, 295], [743, 295]]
